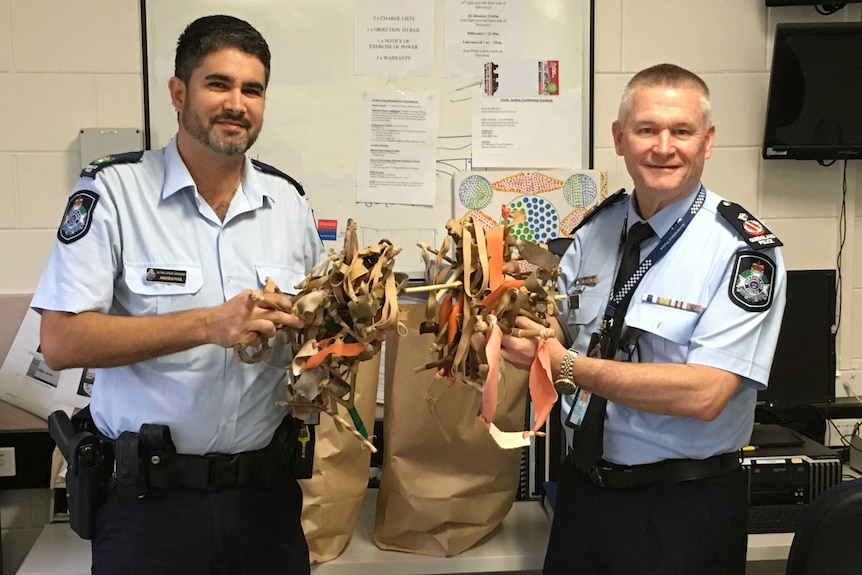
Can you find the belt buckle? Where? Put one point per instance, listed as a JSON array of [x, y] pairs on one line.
[[224, 470], [596, 475]]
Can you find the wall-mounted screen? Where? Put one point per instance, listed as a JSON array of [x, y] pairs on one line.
[[802, 2], [803, 369], [815, 88]]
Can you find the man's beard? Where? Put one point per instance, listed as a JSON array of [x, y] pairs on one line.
[[227, 147]]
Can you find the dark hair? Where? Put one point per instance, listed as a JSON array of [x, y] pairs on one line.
[[210, 33], [666, 75]]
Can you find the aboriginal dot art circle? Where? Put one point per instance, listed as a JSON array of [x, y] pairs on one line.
[[475, 192], [580, 190], [542, 221]]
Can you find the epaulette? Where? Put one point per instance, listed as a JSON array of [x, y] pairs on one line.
[[267, 169], [93, 167], [752, 230], [607, 202]]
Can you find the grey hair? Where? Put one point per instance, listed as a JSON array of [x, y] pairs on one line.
[[669, 75]]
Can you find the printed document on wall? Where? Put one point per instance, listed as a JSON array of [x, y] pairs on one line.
[[535, 131], [27, 382], [477, 31], [397, 155], [393, 38]]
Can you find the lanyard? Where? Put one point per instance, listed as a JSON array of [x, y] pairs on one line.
[[664, 245]]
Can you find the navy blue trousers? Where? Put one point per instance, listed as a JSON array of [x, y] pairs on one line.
[[241, 531], [694, 527]]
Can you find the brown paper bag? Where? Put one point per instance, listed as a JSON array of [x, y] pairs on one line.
[[334, 493], [437, 496]]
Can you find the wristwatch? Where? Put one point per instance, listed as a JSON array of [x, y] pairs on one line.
[[565, 382]]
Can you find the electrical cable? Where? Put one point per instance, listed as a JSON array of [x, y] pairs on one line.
[[842, 238]]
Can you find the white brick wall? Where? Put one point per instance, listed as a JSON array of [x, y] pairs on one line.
[[63, 66], [729, 43]]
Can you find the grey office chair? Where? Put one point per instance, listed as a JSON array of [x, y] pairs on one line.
[[827, 540]]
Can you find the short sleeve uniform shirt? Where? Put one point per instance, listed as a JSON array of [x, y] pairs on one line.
[[685, 309], [147, 243]]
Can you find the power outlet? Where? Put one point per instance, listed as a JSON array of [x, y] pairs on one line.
[[7, 461], [836, 429]]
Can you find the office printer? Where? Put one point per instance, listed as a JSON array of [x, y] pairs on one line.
[[786, 472]]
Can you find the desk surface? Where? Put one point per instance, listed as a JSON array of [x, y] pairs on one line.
[[517, 545]]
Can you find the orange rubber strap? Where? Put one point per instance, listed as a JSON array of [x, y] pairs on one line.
[[342, 349], [444, 310], [489, 390], [453, 317], [542, 392], [495, 295]]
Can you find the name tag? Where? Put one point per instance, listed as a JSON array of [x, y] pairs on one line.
[[161, 275]]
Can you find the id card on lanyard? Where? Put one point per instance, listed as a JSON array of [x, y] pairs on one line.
[[598, 342], [579, 409]]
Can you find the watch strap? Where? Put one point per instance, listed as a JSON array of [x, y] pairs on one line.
[[565, 382]]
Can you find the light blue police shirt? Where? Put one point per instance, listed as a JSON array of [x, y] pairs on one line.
[[149, 216], [705, 328]]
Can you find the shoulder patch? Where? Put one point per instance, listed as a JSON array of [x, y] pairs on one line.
[[267, 169], [78, 216], [751, 281], [125, 158], [752, 230], [611, 200]]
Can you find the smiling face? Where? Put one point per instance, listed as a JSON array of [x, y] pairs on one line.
[[665, 138], [221, 106]]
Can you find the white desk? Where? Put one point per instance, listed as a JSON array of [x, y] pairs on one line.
[[58, 551], [516, 546]]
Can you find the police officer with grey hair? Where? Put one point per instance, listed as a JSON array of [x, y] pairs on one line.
[[675, 300]]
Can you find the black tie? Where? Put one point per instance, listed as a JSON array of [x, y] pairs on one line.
[[587, 442]]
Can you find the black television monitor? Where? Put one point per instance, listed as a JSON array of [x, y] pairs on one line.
[[813, 110], [803, 2], [803, 369]]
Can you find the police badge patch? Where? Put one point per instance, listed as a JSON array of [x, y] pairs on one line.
[[751, 282], [78, 216]]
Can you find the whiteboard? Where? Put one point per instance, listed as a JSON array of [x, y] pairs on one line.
[[311, 126]]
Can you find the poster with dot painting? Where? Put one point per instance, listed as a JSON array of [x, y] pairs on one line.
[[554, 201]]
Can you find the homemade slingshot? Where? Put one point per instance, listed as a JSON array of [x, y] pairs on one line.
[[349, 302], [475, 298]]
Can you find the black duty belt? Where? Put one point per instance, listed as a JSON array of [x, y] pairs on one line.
[[147, 463], [615, 476], [218, 471]]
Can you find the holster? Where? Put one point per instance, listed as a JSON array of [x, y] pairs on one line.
[[88, 478]]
